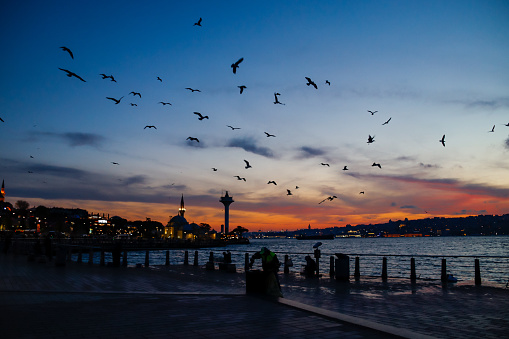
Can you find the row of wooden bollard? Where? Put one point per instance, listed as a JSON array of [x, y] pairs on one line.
[[340, 268]]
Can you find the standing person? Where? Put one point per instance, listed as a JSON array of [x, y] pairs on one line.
[[270, 266]]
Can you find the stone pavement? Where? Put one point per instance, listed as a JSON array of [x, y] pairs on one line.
[[40, 300]]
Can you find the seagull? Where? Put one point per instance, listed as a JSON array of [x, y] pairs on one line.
[[385, 123], [361, 192], [345, 168], [269, 135], [165, 103], [135, 94], [31, 157], [492, 129], [193, 139], [193, 90], [158, 78], [104, 76], [112, 78], [30, 172], [324, 164], [272, 182], [375, 164], [327, 82], [116, 101], [239, 178], [115, 163], [68, 51], [242, 88], [198, 23], [329, 198], [214, 169], [371, 139], [71, 74], [288, 192], [442, 140], [201, 117], [233, 128], [310, 82], [2, 120], [150, 126], [236, 65], [372, 112], [133, 104], [296, 187], [506, 124], [247, 164], [276, 99]]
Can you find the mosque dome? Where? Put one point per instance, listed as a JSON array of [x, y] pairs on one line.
[[177, 221]]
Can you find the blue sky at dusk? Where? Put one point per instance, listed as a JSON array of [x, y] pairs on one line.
[[431, 67]]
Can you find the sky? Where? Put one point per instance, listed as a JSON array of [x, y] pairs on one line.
[[428, 69]]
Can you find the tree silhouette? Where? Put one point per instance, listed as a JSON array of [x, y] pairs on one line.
[[240, 230]]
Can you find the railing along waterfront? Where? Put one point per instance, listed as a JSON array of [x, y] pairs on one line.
[[466, 268]]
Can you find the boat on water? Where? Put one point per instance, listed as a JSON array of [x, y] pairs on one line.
[[315, 237]]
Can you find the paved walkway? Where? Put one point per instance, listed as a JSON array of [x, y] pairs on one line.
[[40, 300]]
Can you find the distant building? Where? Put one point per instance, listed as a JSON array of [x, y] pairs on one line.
[[179, 228], [5, 210]]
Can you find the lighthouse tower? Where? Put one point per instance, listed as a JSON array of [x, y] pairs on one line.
[[226, 201]]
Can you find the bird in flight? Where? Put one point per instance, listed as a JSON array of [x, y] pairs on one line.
[[135, 94], [71, 74], [296, 187], [104, 76], [506, 124], [242, 88], [345, 168], [311, 82], [201, 117], [68, 51], [324, 164], [239, 178], [115, 163], [371, 139], [361, 192], [193, 90], [327, 82], [269, 135], [247, 164], [193, 139], [377, 165], [276, 99], [133, 104], [235, 65], [329, 198], [165, 103], [150, 126], [112, 78], [158, 78], [288, 192], [2, 120], [117, 101], [198, 23], [492, 129], [214, 169], [233, 128], [272, 182], [385, 123], [442, 140], [372, 112]]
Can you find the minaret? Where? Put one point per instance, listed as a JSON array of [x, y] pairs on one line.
[[226, 201], [2, 192], [182, 210]]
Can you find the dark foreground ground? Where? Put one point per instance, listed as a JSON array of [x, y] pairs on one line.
[[40, 300]]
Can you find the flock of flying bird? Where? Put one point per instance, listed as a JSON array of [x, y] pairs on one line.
[[235, 66]]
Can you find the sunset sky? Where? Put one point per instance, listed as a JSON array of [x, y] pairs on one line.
[[431, 67]]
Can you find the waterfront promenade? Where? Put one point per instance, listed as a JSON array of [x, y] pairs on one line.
[[40, 300]]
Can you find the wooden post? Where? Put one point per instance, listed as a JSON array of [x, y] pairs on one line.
[[91, 256], [124, 259], [102, 258], [246, 262], [477, 273], [147, 261], [80, 257], [413, 276], [384, 269], [357, 273], [317, 254], [443, 277], [186, 257], [287, 268], [195, 263], [167, 263], [331, 270]]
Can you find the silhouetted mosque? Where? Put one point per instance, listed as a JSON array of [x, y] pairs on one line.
[[5, 207], [179, 228]]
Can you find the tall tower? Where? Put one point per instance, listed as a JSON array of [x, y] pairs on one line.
[[226, 201], [2, 193], [182, 210]]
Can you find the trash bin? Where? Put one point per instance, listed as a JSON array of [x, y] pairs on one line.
[[342, 267]]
